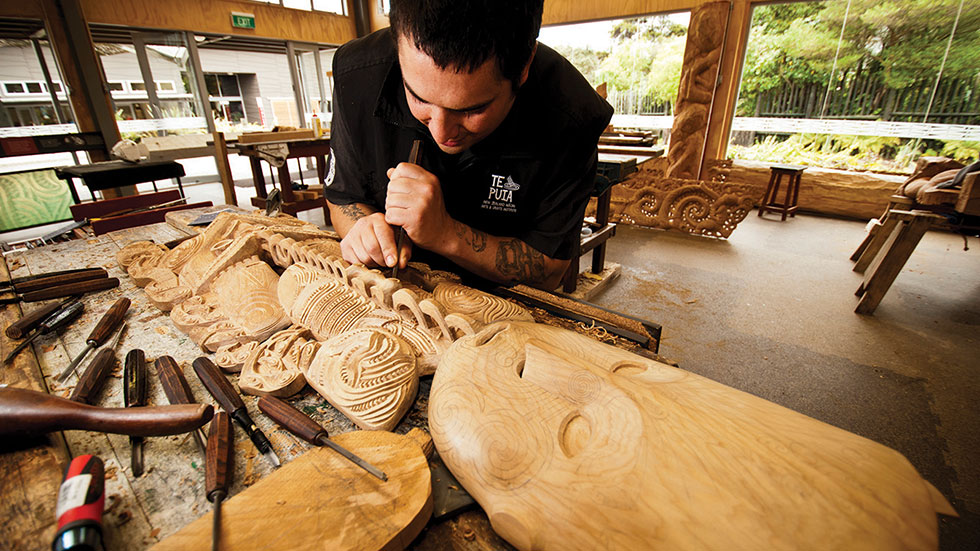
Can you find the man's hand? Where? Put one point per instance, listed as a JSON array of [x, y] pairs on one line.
[[371, 241], [415, 203]]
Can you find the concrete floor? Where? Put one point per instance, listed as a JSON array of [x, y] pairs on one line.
[[771, 312]]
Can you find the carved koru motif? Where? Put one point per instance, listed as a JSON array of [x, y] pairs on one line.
[[277, 366], [712, 209], [568, 443], [368, 374]]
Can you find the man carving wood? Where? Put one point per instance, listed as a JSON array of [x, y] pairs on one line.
[[509, 131]]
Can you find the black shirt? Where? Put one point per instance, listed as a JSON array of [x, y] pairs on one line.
[[531, 178]]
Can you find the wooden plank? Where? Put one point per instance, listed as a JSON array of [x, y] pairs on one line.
[[107, 206], [106, 225], [274, 137], [323, 501]]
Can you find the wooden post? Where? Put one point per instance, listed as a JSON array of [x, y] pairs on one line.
[[224, 169]]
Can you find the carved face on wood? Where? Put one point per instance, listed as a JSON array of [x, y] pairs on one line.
[[569, 443]]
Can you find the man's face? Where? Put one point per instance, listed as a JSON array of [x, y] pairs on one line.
[[459, 108]]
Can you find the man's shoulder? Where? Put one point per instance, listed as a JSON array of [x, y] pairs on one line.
[[374, 51]]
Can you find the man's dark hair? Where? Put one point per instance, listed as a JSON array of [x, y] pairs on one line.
[[464, 34]]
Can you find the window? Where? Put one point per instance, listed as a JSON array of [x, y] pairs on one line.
[[137, 86], [34, 88], [229, 85], [297, 4], [14, 87], [165, 85], [115, 87], [211, 82], [56, 86], [332, 6]]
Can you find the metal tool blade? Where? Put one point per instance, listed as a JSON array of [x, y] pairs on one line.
[[355, 459]]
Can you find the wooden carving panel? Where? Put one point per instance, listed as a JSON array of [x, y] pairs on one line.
[[277, 366], [696, 89], [567, 443], [700, 207], [367, 374]]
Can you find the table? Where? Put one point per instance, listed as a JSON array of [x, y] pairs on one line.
[[318, 148], [114, 174]]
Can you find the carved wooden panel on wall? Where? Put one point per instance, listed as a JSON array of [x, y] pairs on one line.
[[568, 443], [700, 207]]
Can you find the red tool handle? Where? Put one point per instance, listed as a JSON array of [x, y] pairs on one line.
[[77, 288], [109, 322], [81, 501], [174, 384], [55, 280], [90, 383], [292, 419], [220, 456], [31, 320]]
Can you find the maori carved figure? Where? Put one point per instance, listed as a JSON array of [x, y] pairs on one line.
[[277, 365], [567, 443], [706, 208], [697, 84], [368, 374], [244, 307]]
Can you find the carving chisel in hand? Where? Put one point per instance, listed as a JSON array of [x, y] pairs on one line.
[[48, 280], [58, 291], [299, 424], [54, 323], [134, 395], [110, 320], [413, 157], [91, 380], [218, 469], [31, 320], [178, 391], [219, 387]]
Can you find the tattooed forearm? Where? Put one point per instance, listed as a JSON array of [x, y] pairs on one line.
[[519, 262], [476, 239], [352, 211]]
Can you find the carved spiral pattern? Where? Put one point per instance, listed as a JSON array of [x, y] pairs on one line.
[[369, 374], [477, 304]]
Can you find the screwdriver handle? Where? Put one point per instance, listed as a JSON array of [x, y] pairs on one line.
[[110, 320], [134, 378], [218, 385], [91, 381], [292, 419], [174, 384], [32, 319], [220, 456], [25, 411], [77, 288], [62, 279]]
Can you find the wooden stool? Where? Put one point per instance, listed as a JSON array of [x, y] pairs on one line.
[[788, 206]]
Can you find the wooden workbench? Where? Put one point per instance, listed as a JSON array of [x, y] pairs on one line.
[[170, 494]]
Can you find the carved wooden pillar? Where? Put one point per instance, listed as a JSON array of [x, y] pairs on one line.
[[705, 37]]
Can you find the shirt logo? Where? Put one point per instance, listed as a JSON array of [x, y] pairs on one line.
[[333, 170], [501, 194]]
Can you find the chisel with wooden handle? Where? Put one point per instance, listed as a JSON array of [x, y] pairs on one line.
[[134, 395], [218, 468], [31, 320], [219, 387], [31, 412], [17, 280], [413, 157], [299, 424], [90, 383], [55, 322], [61, 279], [110, 320], [59, 291], [178, 391]]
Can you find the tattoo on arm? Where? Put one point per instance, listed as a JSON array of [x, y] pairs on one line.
[[476, 239], [353, 211], [519, 262]]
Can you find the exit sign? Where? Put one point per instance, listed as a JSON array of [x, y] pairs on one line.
[[243, 20]]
